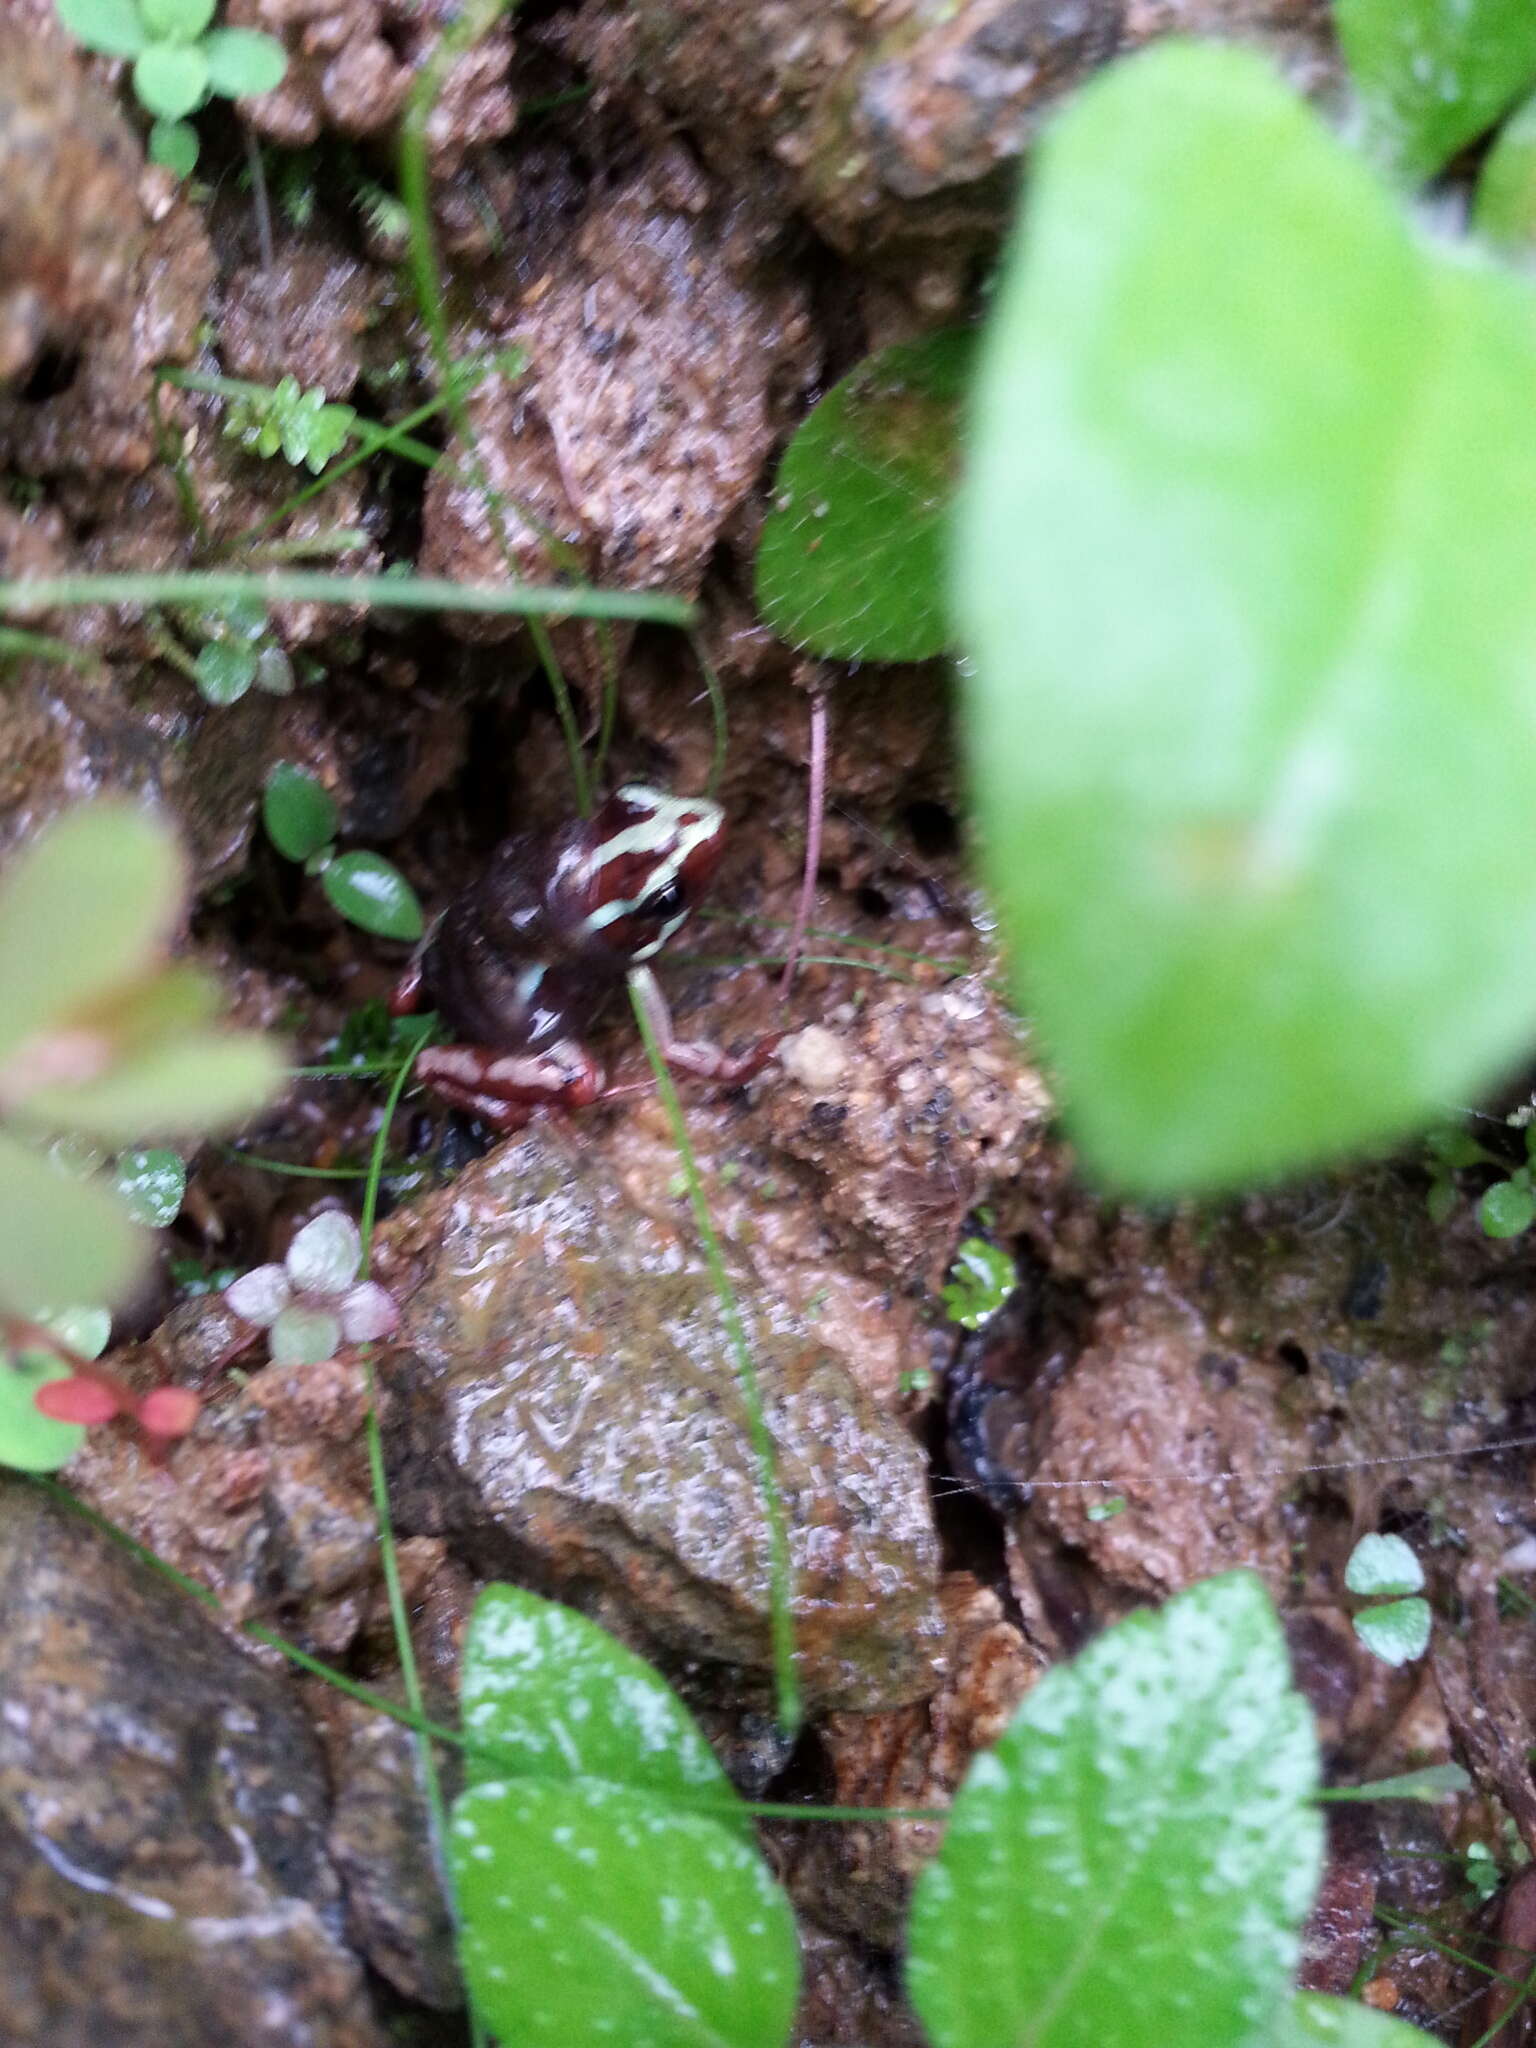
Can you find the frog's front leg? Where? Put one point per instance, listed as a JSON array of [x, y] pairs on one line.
[[502, 1089], [698, 1056]]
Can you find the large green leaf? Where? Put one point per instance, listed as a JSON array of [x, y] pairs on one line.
[[1133, 1861], [1311, 2020], [554, 1696], [1244, 565], [178, 1087], [589, 1913], [851, 557], [1433, 75], [82, 912], [62, 1239]]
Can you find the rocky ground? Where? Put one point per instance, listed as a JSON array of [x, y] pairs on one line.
[[689, 219]]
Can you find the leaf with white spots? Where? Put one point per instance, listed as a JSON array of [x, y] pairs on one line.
[[588, 1913], [1134, 1860], [554, 1696]]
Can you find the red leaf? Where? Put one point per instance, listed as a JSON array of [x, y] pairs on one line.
[[74, 1400], [168, 1411]]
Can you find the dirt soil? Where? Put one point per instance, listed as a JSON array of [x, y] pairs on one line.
[[685, 220]]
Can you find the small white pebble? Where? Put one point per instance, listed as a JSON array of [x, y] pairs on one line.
[[814, 1058]]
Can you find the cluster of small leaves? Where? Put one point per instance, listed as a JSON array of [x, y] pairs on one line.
[[980, 1281], [101, 1039], [300, 818], [314, 1302], [371, 1036], [304, 427], [233, 655], [179, 62], [1133, 1861], [1507, 1207], [1384, 1568]]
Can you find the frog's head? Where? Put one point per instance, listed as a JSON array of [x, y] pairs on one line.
[[629, 877]]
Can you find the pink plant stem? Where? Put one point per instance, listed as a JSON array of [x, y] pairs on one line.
[[815, 808]]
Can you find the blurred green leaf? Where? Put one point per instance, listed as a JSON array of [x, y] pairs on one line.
[[152, 1184], [84, 911], [1239, 629], [366, 889], [189, 1085], [226, 669], [1433, 75], [111, 26], [175, 145], [590, 1912], [299, 814], [1396, 1633], [1310, 2019], [1383, 1564], [176, 21], [1133, 1861], [243, 62], [29, 1441], [1507, 1208], [171, 79], [1505, 209], [851, 557], [980, 1281], [62, 1239]]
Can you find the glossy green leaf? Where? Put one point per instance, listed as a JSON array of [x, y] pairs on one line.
[[226, 669], [298, 812], [62, 1239], [171, 80], [111, 26], [1133, 1861], [1243, 563], [83, 911], [554, 1696], [243, 62], [152, 1184], [851, 560], [175, 145], [181, 1086], [1381, 1565], [366, 889], [1507, 1208], [176, 21], [1505, 209], [1310, 2019], [589, 1913], [1433, 75], [29, 1441], [1396, 1633]]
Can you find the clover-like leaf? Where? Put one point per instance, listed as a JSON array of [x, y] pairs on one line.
[[851, 560], [1381, 1565], [324, 1256], [304, 1336], [1433, 76], [171, 79], [1133, 1862], [371, 893], [589, 1912], [243, 62], [112, 27], [84, 911], [1396, 1633], [545, 1693], [62, 1239], [1238, 630], [298, 812], [260, 1296]]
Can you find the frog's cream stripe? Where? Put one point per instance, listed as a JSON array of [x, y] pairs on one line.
[[670, 830]]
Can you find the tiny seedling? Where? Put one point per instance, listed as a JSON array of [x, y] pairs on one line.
[[300, 817], [980, 1282], [314, 1302], [233, 653], [180, 62], [1507, 1207], [304, 427], [1384, 1568]]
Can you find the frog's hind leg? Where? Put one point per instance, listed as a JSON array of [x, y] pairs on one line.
[[504, 1088], [698, 1056]]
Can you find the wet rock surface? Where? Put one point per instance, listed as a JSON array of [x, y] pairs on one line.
[[564, 1406], [162, 1817]]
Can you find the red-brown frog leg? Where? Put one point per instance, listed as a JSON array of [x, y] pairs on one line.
[[504, 1088], [698, 1056]]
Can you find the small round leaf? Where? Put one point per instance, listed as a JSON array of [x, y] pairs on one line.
[[1383, 1565], [226, 669], [1507, 1208], [324, 1257], [304, 1336], [243, 62], [372, 894], [174, 145], [171, 79], [29, 1440], [299, 814], [111, 26], [1396, 1633], [176, 21]]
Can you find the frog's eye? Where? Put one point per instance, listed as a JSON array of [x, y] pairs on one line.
[[664, 902]]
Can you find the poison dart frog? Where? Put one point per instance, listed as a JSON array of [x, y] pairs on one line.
[[520, 964]]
